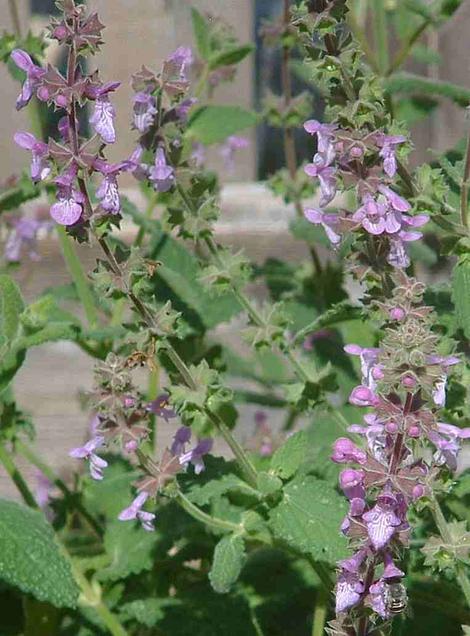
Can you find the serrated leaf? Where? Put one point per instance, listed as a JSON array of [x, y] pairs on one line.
[[461, 294], [268, 484], [30, 559], [11, 307], [213, 124], [130, 549], [309, 519], [201, 495], [231, 56], [229, 557], [201, 33], [288, 457]]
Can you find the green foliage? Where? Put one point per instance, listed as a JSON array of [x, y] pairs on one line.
[[213, 124], [229, 556], [461, 293], [234, 55], [31, 559], [147, 611], [288, 457], [201, 33], [408, 83], [308, 518], [130, 550]]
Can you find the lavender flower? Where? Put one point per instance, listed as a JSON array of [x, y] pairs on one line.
[[329, 222], [326, 174], [229, 148], [161, 407], [22, 237], [161, 175], [102, 118], [181, 438], [134, 511], [195, 455], [325, 134], [40, 168], [33, 72], [68, 208], [387, 144], [97, 464], [108, 192], [144, 112]]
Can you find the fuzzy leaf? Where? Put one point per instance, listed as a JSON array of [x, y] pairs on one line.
[[30, 558], [229, 557], [213, 124], [287, 459], [130, 549], [461, 293], [201, 495], [201, 33], [148, 611], [309, 518], [11, 306]]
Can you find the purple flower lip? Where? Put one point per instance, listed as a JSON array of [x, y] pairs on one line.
[[134, 511]]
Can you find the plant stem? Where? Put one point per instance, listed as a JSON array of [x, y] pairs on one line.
[[381, 35], [443, 528], [208, 520], [78, 276], [320, 612], [28, 453], [362, 37], [16, 477], [112, 623], [465, 182], [152, 392], [403, 53]]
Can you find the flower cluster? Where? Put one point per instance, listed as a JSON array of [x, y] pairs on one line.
[[403, 383], [367, 162]]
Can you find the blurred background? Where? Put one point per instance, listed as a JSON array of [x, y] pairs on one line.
[[144, 32]]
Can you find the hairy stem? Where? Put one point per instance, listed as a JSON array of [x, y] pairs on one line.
[[208, 520], [16, 477], [403, 53], [465, 182], [320, 612], [381, 35]]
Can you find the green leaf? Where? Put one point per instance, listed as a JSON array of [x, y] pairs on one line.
[[11, 306], [411, 84], [148, 611], [461, 293], [309, 519], [268, 484], [288, 457], [110, 496], [229, 557], [130, 549], [201, 33], [30, 558], [213, 124], [231, 56], [201, 495]]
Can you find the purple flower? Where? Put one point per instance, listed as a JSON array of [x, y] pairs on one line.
[[68, 208], [182, 58], [138, 169], [448, 441], [134, 511], [396, 201], [345, 451], [108, 192], [102, 118], [349, 589], [390, 570], [353, 563], [195, 455], [40, 168], [370, 368], [326, 174], [161, 407], [325, 134], [229, 148], [377, 600], [161, 175], [387, 144], [363, 396], [183, 108], [173, 77], [97, 464], [382, 520], [181, 438], [23, 236], [329, 222], [351, 482], [144, 112], [397, 256], [33, 76]]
